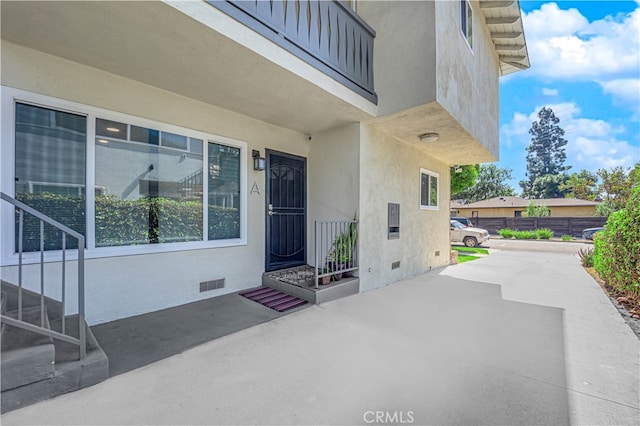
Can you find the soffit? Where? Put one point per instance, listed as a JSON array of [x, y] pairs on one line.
[[504, 21], [156, 44]]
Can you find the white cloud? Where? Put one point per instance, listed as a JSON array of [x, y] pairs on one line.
[[625, 90], [592, 143], [563, 45], [549, 92]]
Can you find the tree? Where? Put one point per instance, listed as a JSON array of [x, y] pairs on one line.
[[617, 185], [463, 177], [492, 182], [534, 210], [548, 186], [546, 153], [581, 185]]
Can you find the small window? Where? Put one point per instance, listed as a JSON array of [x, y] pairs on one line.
[[517, 213], [429, 189], [474, 213], [466, 21]]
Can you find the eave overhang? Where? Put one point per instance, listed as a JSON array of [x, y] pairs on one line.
[[504, 21]]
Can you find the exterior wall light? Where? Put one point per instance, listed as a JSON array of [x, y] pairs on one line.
[[429, 137], [258, 162]]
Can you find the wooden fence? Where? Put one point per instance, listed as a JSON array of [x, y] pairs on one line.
[[559, 225]]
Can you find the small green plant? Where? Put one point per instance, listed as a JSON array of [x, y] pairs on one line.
[[544, 233], [506, 233], [525, 235], [586, 257], [344, 247], [566, 237]]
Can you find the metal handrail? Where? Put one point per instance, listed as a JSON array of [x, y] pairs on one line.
[[81, 340], [335, 247]]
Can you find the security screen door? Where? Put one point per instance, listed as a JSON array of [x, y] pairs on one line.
[[286, 178]]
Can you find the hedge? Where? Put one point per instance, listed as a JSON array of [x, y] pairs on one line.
[[538, 234], [616, 251], [126, 222]]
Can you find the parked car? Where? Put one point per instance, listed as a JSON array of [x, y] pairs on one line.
[[463, 220], [471, 237], [588, 233]]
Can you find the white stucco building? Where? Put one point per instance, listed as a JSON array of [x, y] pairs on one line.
[[143, 113]]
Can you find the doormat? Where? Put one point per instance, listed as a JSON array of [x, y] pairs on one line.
[[273, 299]]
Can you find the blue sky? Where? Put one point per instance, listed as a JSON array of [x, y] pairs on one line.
[[585, 65]]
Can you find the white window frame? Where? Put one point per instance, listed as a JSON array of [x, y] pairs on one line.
[[430, 174], [466, 22], [11, 96]]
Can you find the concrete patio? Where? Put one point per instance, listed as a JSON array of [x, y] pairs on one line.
[[513, 338]]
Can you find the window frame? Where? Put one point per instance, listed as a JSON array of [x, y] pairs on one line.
[[429, 174], [11, 96], [466, 22]]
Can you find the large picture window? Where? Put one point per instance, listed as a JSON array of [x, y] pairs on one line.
[[151, 185], [148, 186], [429, 189], [50, 170]]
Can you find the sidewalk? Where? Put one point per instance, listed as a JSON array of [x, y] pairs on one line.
[[441, 348]]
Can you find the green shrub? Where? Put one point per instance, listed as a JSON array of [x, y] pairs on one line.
[[506, 233], [525, 235], [566, 237], [538, 234], [617, 247], [544, 233]]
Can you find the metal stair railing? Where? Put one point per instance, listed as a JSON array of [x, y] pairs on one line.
[[81, 341]]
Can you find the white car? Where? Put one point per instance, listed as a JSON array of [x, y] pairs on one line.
[[471, 237]]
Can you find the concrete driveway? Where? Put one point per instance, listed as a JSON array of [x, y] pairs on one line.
[[513, 338]]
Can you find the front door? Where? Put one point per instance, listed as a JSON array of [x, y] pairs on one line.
[[286, 197]]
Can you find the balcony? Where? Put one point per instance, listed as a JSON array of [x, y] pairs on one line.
[[265, 59], [326, 34]]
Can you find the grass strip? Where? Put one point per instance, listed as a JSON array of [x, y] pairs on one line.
[[466, 258], [470, 249]]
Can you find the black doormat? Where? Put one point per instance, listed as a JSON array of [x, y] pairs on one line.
[[273, 299]]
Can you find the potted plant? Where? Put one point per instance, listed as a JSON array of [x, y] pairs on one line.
[[342, 251]]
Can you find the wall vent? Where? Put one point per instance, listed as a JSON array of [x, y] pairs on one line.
[[437, 252], [212, 285], [395, 265]]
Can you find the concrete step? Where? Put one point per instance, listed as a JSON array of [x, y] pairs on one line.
[[27, 357], [29, 298], [299, 282], [70, 375]]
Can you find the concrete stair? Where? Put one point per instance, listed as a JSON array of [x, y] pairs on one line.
[[26, 357], [305, 288], [36, 367]]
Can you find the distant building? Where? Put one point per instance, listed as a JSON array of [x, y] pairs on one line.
[[516, 207]]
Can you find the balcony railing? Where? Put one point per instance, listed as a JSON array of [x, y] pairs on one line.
[[326, 34]]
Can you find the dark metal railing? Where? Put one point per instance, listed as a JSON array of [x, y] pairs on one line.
[[325, 33], [21, 209], [336, 248]]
